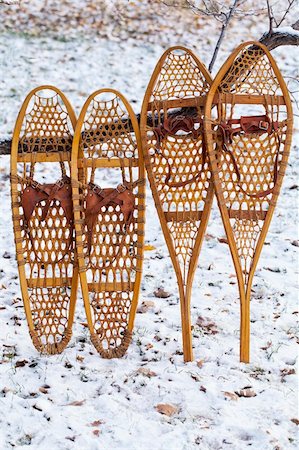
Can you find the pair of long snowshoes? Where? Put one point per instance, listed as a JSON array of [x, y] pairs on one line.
[[72, 226], [232, 136]]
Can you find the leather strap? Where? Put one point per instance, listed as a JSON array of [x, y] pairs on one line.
[[97, 198], [34, 193], [249, 125]]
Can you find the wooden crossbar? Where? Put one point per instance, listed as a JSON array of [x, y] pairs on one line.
[[44, 157], [49, 282], [107, 162], [247, 214], [228, 98], [110, 287], [182, 216]]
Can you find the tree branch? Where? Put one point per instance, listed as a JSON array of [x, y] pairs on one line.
[[277, 38], [5, 147], [270, 16], [285, 36]]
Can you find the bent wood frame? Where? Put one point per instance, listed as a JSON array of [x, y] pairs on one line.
[[79, 183], [214, 147], [25, 283], [185, 286]]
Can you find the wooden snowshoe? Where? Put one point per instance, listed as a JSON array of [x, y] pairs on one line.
[[109, 220], [177, 165], [43, 216], [248, 145]]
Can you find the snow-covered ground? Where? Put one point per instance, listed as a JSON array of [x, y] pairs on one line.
[[78, 400]]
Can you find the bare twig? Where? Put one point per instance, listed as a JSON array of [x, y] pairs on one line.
[[293, 93], [222, 33], [270, 16], [291, 4], [206, 11], [216, 9]]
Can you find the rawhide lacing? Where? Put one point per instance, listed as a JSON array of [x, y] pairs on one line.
[[250, 125], [35, 193], [170, 127]]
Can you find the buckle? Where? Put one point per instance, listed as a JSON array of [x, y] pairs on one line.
[[60, 183], [34, 184], [263, 125], [96, 189], [120, 188]]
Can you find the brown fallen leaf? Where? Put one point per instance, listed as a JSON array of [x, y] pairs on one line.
[[5, 390], [33, 394], [80, 358], [167, 409], [295, 421], [149, 346], [68, 365], [207, 325], [21, 363], [222, 240], [268, 345], [286, 371], [230, 395], [96, 432], [195, 377], [146, 372], [246, 392], [43, 390], [200, 363], [76, 403], [145, 306], [96, 423], [161, 293]]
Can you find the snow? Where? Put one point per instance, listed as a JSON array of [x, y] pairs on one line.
[[286, 30], [116, 401]]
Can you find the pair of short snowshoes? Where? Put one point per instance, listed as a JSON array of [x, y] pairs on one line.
[[74, 227]]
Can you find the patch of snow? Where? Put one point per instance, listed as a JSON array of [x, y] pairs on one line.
[[286, 30]]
